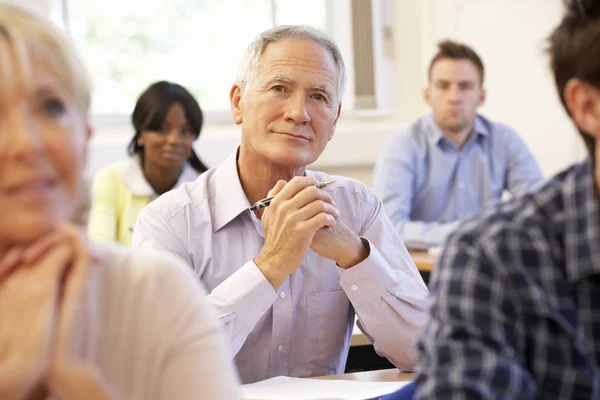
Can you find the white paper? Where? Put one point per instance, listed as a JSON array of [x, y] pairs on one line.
[[286, 388], [434, 251]]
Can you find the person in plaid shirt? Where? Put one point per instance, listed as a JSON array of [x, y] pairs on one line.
[[515, 310]]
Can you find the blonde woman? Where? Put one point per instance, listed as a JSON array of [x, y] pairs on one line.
[[78, 322]]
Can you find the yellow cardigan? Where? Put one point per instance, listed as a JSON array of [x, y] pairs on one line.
[[119, 193]]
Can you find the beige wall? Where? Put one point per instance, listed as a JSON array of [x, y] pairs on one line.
[[509, 35], [408, 50], [520, 89], [363, 174]]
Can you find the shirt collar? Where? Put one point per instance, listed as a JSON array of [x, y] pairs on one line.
[[229, 199], [136, 182], [481, 127], [435, 134], [582, 223]]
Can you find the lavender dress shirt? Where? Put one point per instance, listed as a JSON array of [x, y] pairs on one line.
[[304, 328]]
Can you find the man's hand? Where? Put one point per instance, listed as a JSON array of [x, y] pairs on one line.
[[296, 213], [340, 244]]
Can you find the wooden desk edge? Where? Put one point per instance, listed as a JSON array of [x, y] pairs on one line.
[[424, 261], [382, 375], [359, 339]]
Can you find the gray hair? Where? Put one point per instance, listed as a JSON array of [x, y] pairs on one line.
[[255, 50]]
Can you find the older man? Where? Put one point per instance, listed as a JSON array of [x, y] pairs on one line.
[[287, 280]]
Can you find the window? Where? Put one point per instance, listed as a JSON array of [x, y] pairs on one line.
[[128, 44], [57, 11]]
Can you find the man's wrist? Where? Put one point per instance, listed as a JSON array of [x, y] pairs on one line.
[[273, 274], [358, 252]]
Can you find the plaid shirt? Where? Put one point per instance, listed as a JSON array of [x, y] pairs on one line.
[[515, 308]]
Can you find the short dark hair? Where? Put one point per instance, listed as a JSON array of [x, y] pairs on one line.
[[456, 51], [151, 109], [574, 48]]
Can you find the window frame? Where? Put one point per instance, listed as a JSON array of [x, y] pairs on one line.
[[221, 118]]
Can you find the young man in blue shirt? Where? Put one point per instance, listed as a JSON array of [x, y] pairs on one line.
[[515, 310], [449, 165]]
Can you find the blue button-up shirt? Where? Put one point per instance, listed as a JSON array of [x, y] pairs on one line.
[[515, 308], [428, 183], [303, 328]]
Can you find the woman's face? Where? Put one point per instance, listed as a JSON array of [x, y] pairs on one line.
[[170, 147], [43, 138]]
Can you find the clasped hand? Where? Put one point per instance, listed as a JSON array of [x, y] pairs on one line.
[[41, 286], [300, 217]]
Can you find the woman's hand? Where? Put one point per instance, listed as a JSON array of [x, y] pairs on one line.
[[70, 323], [30, 290], [72, 373], [42, 290]]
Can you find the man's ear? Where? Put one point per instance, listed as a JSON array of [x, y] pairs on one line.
[[482, 97], [583, 103], [235, 98], [339, 111], [427, 95]]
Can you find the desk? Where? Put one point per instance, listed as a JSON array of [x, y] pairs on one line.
[[382, 375], [359, 338], [424, 260]]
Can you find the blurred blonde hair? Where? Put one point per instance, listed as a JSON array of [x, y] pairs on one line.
[[27, 37]]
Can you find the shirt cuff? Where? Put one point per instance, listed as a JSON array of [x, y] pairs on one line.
[[248, 293], [371, 276]]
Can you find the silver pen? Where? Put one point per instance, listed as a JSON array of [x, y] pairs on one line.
[[266, 202]]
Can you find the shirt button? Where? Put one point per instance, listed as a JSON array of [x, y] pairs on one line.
[[280, 347], [461, 185], [354, 288], [282, 295]]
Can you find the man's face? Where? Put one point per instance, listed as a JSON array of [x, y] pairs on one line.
[[454, 93], [291, 105]]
